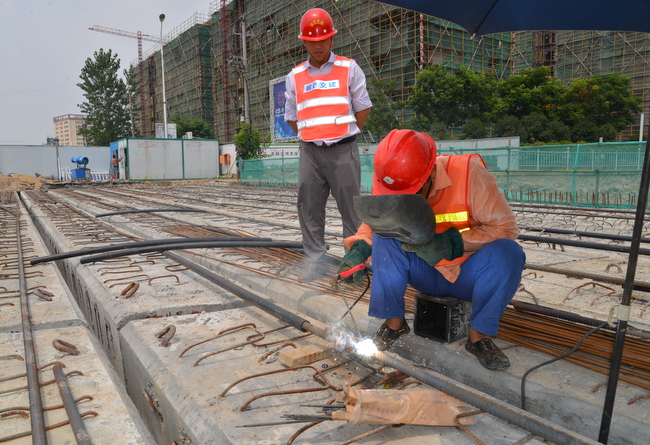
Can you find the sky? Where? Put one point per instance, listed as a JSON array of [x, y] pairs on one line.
[[44, 45]]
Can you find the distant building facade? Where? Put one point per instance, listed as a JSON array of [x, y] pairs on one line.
[[66, 129]]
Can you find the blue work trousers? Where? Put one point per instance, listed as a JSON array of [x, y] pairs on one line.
[[489, 279]]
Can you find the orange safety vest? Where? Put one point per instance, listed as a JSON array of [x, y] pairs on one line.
[[323, 102], [451, 208]]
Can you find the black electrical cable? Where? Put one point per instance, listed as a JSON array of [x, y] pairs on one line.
[[358, 298], [189, 245], [566, 354], [112, 247]]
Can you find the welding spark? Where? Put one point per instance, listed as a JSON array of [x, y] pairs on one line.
[[366, 347]]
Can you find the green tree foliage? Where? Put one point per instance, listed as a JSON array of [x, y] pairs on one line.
[[452, 98], [107, 100], [533, 91], [532, 105], [603, 100], [383, 117], [248, 143], [509, 126], [473, 129], [199, 128]]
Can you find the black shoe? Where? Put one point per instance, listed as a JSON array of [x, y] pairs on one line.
[[385, 336], [488, 354]]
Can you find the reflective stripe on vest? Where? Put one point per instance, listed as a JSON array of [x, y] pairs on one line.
[[451, 208], [323, 102]]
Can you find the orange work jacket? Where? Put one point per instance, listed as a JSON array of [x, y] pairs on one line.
[[451, 208], [323, 102]]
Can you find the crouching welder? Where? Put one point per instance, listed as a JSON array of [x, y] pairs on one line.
[[472, 256]]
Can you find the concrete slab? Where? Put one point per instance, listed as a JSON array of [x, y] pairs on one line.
[[188, 398], [560, 392], [89, 374], [99, 288], [54, 308]]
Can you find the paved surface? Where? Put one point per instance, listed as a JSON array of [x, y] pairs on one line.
[[182, 403]]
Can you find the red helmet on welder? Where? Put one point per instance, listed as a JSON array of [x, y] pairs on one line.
[[403, 161], [315, 25]]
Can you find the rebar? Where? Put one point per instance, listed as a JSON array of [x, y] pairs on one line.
[[76, 422]]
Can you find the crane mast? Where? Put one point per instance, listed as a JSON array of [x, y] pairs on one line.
[[140, 37]]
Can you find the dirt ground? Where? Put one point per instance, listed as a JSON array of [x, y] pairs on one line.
[[21, 182]]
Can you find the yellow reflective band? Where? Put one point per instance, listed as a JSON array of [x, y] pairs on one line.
[[452, 217]]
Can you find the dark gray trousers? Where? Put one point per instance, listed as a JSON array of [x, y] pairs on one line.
[[322, 170]]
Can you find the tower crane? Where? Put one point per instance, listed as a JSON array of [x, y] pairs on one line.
[[140, 37]]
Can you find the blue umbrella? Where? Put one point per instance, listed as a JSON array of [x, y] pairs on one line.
[[482, 17]]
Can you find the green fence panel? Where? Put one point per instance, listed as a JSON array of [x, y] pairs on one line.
[[590, 175]]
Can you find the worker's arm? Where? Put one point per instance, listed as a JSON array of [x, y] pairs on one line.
[[361, 117], [294, 125], [490, 214], [364, 232]]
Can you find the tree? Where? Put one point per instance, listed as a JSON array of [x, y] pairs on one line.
[[473, 129], [533, 91], [509, 126], [248, 143], [107, 100], [382, 118], [585, 131], [535, 126], [603, 99], [198, 127], [452, 98]]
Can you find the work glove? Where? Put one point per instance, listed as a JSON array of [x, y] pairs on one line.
[[447, 245], [358, 254]]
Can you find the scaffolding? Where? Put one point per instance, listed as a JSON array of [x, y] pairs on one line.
[[583, 54], [388, 43], [188, 75]]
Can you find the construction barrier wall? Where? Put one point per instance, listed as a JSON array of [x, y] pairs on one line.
[[168, 159], [35, 160]]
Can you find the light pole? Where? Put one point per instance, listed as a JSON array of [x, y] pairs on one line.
[[162, 68], [58, 162]]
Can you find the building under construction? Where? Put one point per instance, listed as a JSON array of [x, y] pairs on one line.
[[222, 68]]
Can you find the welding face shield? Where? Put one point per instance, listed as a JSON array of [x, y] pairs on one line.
[[406, 218]]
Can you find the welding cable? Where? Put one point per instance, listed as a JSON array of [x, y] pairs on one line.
[[153, 242], [566, 242], [358, 298], [554, 359], [124, 212], [190, 245]]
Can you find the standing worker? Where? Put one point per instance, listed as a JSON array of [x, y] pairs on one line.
[[327, 105], [115, 171], [472, 255]]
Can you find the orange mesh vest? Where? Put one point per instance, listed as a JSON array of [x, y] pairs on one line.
[[323, 102], [451, 209]]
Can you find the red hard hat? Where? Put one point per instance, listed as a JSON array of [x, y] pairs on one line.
[[403, 161], [315, 25]]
